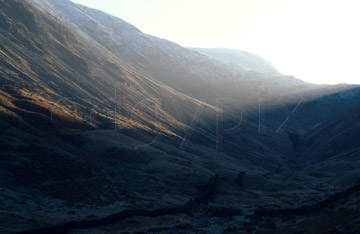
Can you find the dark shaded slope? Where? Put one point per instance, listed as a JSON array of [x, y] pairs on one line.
[[336, 214], [331, 151], [335, 139]]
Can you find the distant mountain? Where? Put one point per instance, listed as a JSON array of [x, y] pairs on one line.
[[242, 58], [101, 123]]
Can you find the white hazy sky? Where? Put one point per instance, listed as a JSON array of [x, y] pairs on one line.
[[314, 40]]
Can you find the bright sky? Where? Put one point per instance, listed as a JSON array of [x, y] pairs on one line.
[[315, 40]]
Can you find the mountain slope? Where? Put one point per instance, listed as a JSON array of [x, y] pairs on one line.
[[61, 158], [190, 71], [100, 118]]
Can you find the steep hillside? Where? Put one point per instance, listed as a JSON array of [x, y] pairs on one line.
[[185, 70], [100, 121]]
